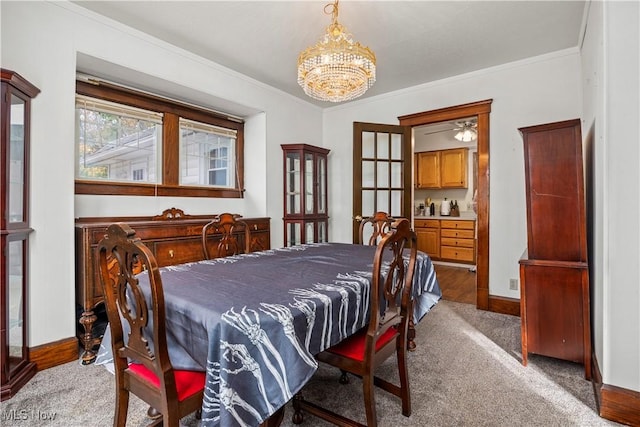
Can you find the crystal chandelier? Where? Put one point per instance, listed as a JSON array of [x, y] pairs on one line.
[[336, 69]]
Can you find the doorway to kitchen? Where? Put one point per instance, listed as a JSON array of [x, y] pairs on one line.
[[479, 111]]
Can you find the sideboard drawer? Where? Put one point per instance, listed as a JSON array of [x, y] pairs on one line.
[[177, 251]]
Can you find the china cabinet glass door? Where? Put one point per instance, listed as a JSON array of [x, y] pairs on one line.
[[305, 194], [16, 369]]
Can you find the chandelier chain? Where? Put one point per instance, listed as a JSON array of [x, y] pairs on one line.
[[332, 9]]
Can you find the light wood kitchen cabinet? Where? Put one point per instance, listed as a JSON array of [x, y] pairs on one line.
[[441, 169], [453, 168], [457, 241], [428, 169], [428, 234]]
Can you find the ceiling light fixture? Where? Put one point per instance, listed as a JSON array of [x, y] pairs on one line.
[[467, 132], [336, 69]]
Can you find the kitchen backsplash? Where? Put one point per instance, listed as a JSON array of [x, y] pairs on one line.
[[464, 196]]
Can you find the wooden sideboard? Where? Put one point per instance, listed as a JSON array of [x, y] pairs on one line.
[[174, 238]]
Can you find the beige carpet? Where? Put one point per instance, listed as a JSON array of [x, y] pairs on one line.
[[465, 372]]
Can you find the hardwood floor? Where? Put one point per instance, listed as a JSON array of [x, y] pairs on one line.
[[457, 283]]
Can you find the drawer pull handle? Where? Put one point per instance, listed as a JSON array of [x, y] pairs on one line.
[[255, 226], [171, 253]]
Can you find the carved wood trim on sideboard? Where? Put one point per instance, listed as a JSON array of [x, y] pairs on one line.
[[56, 353], [614, 403]]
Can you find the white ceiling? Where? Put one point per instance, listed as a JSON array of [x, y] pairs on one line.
[[414, 41]]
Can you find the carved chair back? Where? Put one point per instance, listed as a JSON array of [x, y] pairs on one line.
[[379, 224], [136, 316], [227, 225]]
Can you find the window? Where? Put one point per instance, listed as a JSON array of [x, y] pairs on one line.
[[206, 155], [111, 139], [138, 174], [132, 143], [219, 171]]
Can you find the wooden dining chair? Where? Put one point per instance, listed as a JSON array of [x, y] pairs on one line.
[[360, 354], [380, 222], [140, 354], [227, 225]]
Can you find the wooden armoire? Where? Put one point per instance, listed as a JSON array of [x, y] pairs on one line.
[[554, 275]]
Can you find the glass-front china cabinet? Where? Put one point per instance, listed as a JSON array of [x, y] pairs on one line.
[[305, 194], [14, 231]]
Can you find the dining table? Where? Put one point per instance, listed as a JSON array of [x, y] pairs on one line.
[[253, 322]]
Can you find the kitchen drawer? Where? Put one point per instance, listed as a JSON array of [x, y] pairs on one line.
[[464, 224], [465, 243], [457, 253], [427, 223], [457, 234]]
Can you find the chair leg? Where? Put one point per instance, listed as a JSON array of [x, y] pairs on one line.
[[344, 377], [405, 392], [153, 413], [122, 407], [298, 416], [368, 390]]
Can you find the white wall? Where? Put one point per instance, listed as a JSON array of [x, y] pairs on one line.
[[621, 359], [42, 41], [610, 69], [534, 91]]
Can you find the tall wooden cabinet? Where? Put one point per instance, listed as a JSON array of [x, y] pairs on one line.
[[555, 308], [16, 369], [306, 218]]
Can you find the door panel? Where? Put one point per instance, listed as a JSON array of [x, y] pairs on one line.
[[382, 163]]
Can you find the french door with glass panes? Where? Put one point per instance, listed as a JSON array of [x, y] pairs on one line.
[[382, 170]]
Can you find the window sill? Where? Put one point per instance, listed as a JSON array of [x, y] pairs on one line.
[[130, 189]]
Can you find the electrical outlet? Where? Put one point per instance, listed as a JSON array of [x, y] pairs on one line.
[[513, 284]]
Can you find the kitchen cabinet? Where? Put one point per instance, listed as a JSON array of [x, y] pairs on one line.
[[428, 169], [428, 235], [441, 169], [457, 241], [554, 274], [306, 216], [453, 168], [15, 367], [447, 240]]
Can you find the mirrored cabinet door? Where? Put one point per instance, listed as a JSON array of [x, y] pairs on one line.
[[16, 369]]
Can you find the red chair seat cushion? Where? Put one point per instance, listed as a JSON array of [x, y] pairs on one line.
[[187, 382], [353, 346]]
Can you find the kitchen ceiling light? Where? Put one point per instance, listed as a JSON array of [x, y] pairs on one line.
[[467, 133], [336, 69]]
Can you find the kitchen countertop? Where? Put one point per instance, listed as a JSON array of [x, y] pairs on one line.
[[464, 216]]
